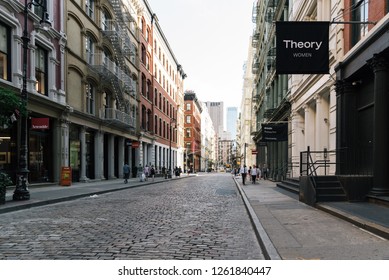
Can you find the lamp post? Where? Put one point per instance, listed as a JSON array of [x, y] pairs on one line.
[[170, 149], [21, 191]]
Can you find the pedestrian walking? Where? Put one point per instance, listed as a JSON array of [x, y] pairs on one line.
[[164, 172], [152, 173], [146, 171], [126, 172], [255, 173], [265, 172], [243, 172], [249, 173]]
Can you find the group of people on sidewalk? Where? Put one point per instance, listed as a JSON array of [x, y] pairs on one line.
[[143, 173], [254, 173]]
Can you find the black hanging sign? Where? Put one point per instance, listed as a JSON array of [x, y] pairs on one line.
[[274, 132], [302, 47]]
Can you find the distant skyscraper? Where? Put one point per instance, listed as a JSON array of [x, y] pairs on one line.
[[232, 117], [216, 112]]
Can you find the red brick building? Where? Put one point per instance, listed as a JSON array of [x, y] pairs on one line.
[[192, 131]]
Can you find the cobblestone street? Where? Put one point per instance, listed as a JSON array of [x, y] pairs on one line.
[[194, 218]]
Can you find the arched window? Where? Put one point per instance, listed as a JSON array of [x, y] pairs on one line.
[[144, 83], [41, 70], [90, 49], [148, 90], [106, 21], [143, 54], [149, 120], [90, 7], [155, 97], [143, 117], [5, 52], [155, 124]]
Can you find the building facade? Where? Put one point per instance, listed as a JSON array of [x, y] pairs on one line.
[[232, 117], [192, 137], [271, 105], [102, 74], [208, 136], [361, 92], [46, 90], [246, 125], [104, 88], [161, 97], [216, 111]]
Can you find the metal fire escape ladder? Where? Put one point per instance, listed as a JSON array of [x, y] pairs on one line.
[[121, 44]]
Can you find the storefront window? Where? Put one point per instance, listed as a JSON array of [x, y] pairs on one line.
[[40, 156], [74, 150], [89, 149]]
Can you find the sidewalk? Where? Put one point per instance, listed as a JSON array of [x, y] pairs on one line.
[[290, 229], [51, 193]]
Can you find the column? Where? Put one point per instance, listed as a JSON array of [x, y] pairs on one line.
[[63, 134], [380, 67], [83, 177], [111, 157], [99, 155], [345, 126], [120, 156]]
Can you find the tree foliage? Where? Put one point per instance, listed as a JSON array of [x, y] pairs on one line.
[[10, 104]]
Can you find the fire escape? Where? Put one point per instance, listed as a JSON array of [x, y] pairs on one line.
[[114, 71]]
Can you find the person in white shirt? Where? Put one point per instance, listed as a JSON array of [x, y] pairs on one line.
[[255, 173], [243, 172]]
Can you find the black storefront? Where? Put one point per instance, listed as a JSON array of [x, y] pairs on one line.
[[362, 89]]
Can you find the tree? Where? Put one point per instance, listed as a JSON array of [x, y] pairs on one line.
[[11, 106]]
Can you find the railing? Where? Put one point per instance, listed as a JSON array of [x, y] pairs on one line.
[[336, 162], [111, 114], [109, 69]]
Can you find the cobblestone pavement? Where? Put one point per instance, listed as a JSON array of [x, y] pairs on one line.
[[198, 218]]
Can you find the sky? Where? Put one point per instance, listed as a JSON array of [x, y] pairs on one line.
[[210, 39]]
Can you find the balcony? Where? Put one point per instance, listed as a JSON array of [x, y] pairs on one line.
[[117, 117], [110, 71]]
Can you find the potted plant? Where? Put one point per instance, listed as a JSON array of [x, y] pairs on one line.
[[5, 181]]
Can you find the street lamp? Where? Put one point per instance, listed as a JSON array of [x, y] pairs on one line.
[[21, 191], [170, 148]]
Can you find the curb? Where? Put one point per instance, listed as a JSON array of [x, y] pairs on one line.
[[269, 251], [366, 225], [73, 197]]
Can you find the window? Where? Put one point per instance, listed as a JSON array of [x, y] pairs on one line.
[[155, 124], [160, 127], [187, 132], [89, 47], [90, 7], [148, 90], [41, 70], [105, 21], [90, 98], [143, 54], [164, 129], [160, 101], [155, 97], [143, 118], [5, 54], [149, 120], [360, 13], [188, 106], [144, 83], [188, 119]]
